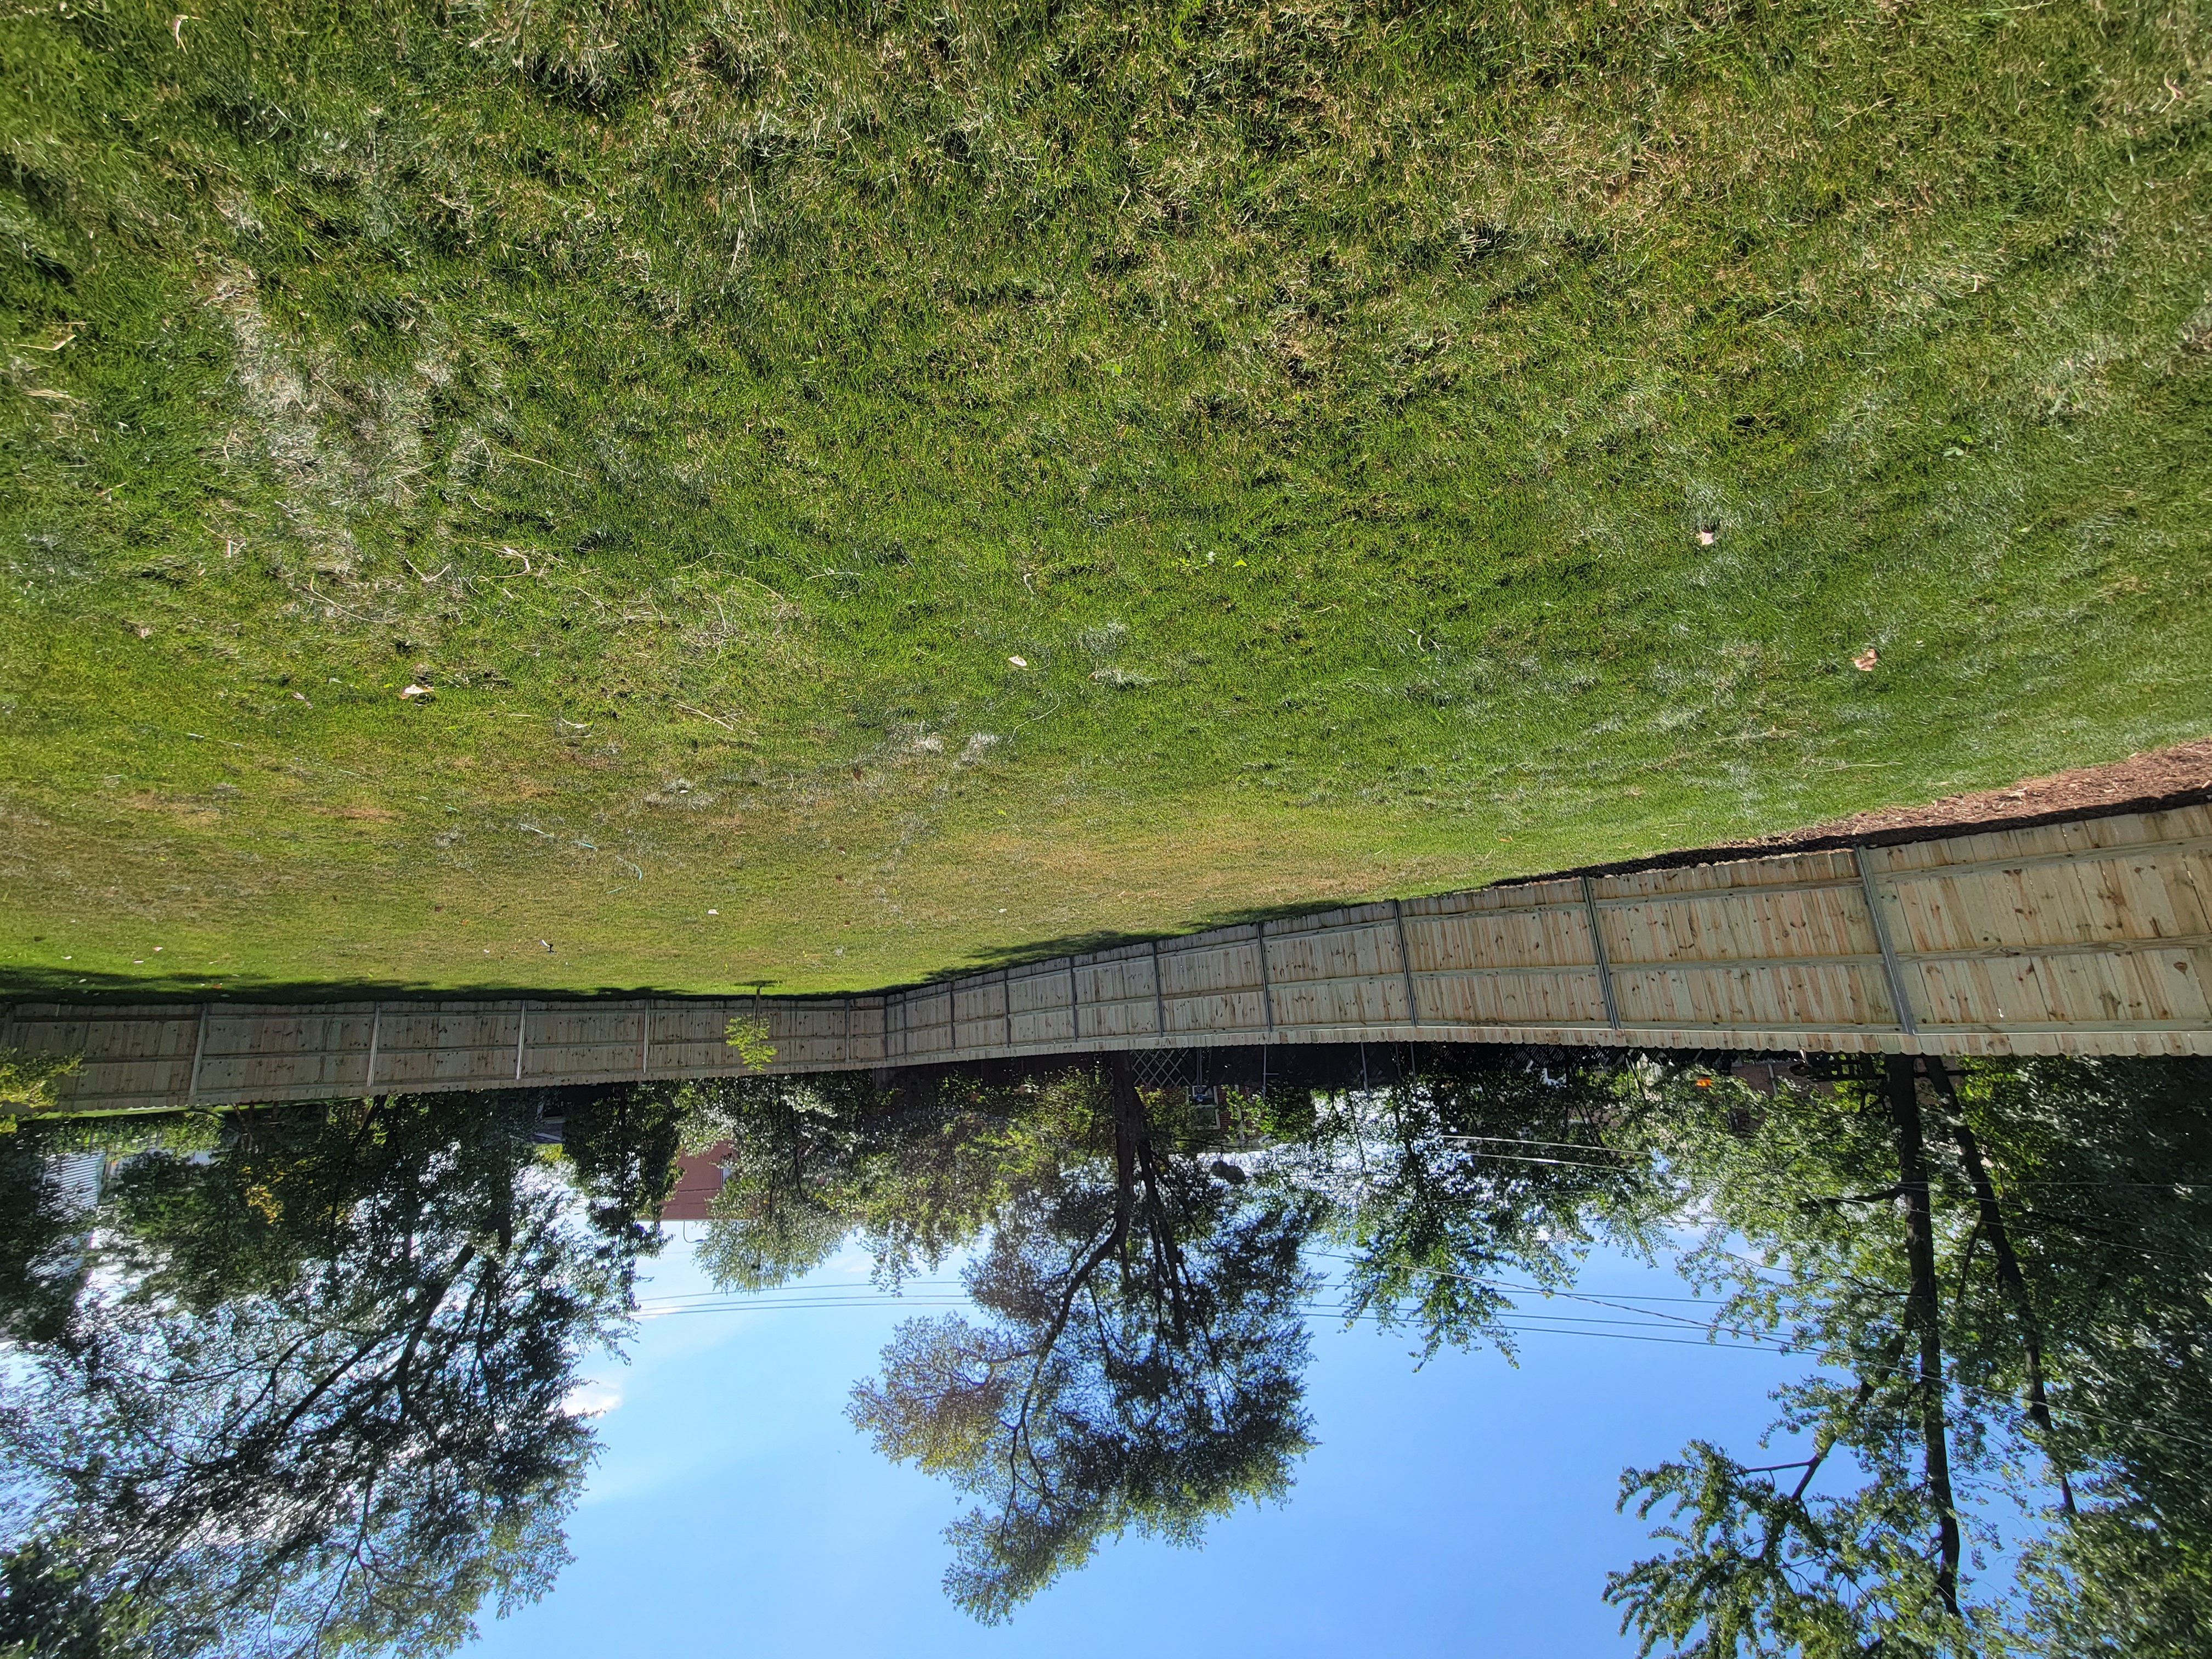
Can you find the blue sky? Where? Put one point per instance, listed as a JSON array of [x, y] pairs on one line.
[[1464, 1508]]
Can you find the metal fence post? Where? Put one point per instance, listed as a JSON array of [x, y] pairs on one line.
[[1267, 985], [1604, 963], [1406, 964], [1891, 968]]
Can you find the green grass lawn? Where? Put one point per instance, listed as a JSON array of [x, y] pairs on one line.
[[877, 488]]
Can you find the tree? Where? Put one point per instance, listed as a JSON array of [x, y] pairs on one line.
[[1997, 1270], [792, 1153], [41, 1269], [2107, 1168], [620, 1144], [26, 1081], [1139, 1369], [1483, 1169], [315, 1401], [47, 1612], [914, 1167], [1840, 1206]]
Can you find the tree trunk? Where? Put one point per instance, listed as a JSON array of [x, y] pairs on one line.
[[1128, 1126], [2010, 1280], [1924, 1313]]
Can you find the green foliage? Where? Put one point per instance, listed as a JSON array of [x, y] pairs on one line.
[[2120, 1584], [47, 1612], [310, 1394], [622, 1144], [749, 1038], [787, 1147], [26, 1081], [39, 1271], [1138, 1367], [1486, 1168], [1759, 1568], [916, 1170], [1132, 1360], [1812, 1182], [2111, 1160], [2097, 1173], [1381, 433]]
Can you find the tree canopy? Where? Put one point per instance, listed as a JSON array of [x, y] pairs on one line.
[[1138, 1368], [2001, 1275], [300, 1383], [309, 1393]]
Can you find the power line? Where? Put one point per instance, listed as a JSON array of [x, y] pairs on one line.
[[1531, 1323], [1531, 1289]]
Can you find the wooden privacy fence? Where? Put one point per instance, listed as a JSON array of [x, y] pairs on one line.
[[2090, 937]]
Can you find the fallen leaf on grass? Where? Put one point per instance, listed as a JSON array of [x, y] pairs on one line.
[[1866, 660]]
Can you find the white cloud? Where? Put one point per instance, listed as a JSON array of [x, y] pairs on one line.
[[592, 1398]]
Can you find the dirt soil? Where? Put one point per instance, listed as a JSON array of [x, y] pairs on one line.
[[2163, 777]]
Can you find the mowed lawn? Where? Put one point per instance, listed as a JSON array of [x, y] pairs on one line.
[[873, 489]]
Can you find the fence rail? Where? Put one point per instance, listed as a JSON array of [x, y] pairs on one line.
[[2089, 937]]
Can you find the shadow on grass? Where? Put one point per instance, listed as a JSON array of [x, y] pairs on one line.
[[1077, 945], [33, 985], [30, 985]]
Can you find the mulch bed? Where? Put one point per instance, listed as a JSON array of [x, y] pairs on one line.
[[2180, 775]]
